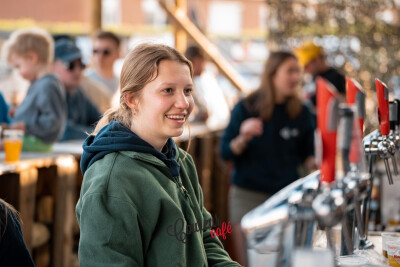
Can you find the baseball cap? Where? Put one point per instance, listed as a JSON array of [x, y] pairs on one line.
[[66, 50], [307, 52]]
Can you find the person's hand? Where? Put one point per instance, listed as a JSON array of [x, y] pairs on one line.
[[250, 128]]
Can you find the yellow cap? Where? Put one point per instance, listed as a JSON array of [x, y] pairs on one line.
[[307, 52]]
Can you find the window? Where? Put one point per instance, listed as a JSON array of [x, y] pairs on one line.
[[225, 18]]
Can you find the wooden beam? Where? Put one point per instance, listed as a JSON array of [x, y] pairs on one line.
[[95, 16], [180, 18], [180, 35]]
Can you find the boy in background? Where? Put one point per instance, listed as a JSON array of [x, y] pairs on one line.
[[43, 113]]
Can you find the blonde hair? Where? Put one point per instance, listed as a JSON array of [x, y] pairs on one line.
[[140, 67], [24, 41]]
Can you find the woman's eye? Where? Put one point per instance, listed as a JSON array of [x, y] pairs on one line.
[[167, 90], [188, 91]]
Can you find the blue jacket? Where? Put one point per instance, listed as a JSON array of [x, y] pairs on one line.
[[3, 110], [44, 110], [82, 115], [270, 161]]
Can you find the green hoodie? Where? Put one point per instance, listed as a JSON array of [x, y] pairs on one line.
[[131, 212]]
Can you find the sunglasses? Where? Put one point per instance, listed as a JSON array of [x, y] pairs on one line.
[[72, 65], [105, 52]]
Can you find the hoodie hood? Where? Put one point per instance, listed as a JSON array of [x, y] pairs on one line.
[[116, 137]]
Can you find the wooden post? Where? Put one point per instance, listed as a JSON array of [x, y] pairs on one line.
[[19, 189], [64, 210], [207, 158], [208, 47], [180, 34], [27, 202], [95, 16]]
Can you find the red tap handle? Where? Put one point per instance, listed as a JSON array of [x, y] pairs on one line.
[[327, 105], [382, 94], [356, 96]]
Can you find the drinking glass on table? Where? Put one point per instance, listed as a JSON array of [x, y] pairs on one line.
[[388, 237], [12, 144]]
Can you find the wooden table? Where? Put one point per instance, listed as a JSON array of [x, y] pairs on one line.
[[51, 172]]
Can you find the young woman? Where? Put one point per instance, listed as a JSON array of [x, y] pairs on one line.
[[140, 202], [13, 251], [270, 134]]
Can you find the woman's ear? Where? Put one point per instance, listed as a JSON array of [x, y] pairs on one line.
[[130, 100]]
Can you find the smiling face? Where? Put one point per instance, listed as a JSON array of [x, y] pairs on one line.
[[163, 105]]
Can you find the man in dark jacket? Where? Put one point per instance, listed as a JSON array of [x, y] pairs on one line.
[[82, 113], [311, 58]]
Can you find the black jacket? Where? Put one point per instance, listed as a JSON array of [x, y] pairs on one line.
[[13, 251]]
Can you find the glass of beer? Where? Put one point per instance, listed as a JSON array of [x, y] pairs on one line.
[[12, 144], [393, 250], [388, 237]]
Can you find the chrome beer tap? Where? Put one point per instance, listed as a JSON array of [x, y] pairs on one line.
[[381, 144], [273, 227], [288, 220], [358, 172], [351, 178]]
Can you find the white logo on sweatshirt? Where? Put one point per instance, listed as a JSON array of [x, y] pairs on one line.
[[287, 133]]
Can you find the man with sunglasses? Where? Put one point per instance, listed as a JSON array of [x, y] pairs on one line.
[[68, 66], [105, 53]]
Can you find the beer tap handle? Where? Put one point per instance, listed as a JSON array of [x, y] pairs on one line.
[[398, 112], [382, 93], [394, 134], [386, 147], [356, 96], [360, 224], [327, 110], [393, 113], [388, 172], [347, 145], [348, 247], [397, 133]]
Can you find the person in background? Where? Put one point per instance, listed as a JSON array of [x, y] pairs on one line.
[[140, 190], [95, 91], [208, 94], [269, 135], [13, 250], [82, 114], [43, 113], [195, 55], [312, 59], [106, 50]]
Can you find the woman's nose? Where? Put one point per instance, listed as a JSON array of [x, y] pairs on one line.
[[182, 101]]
